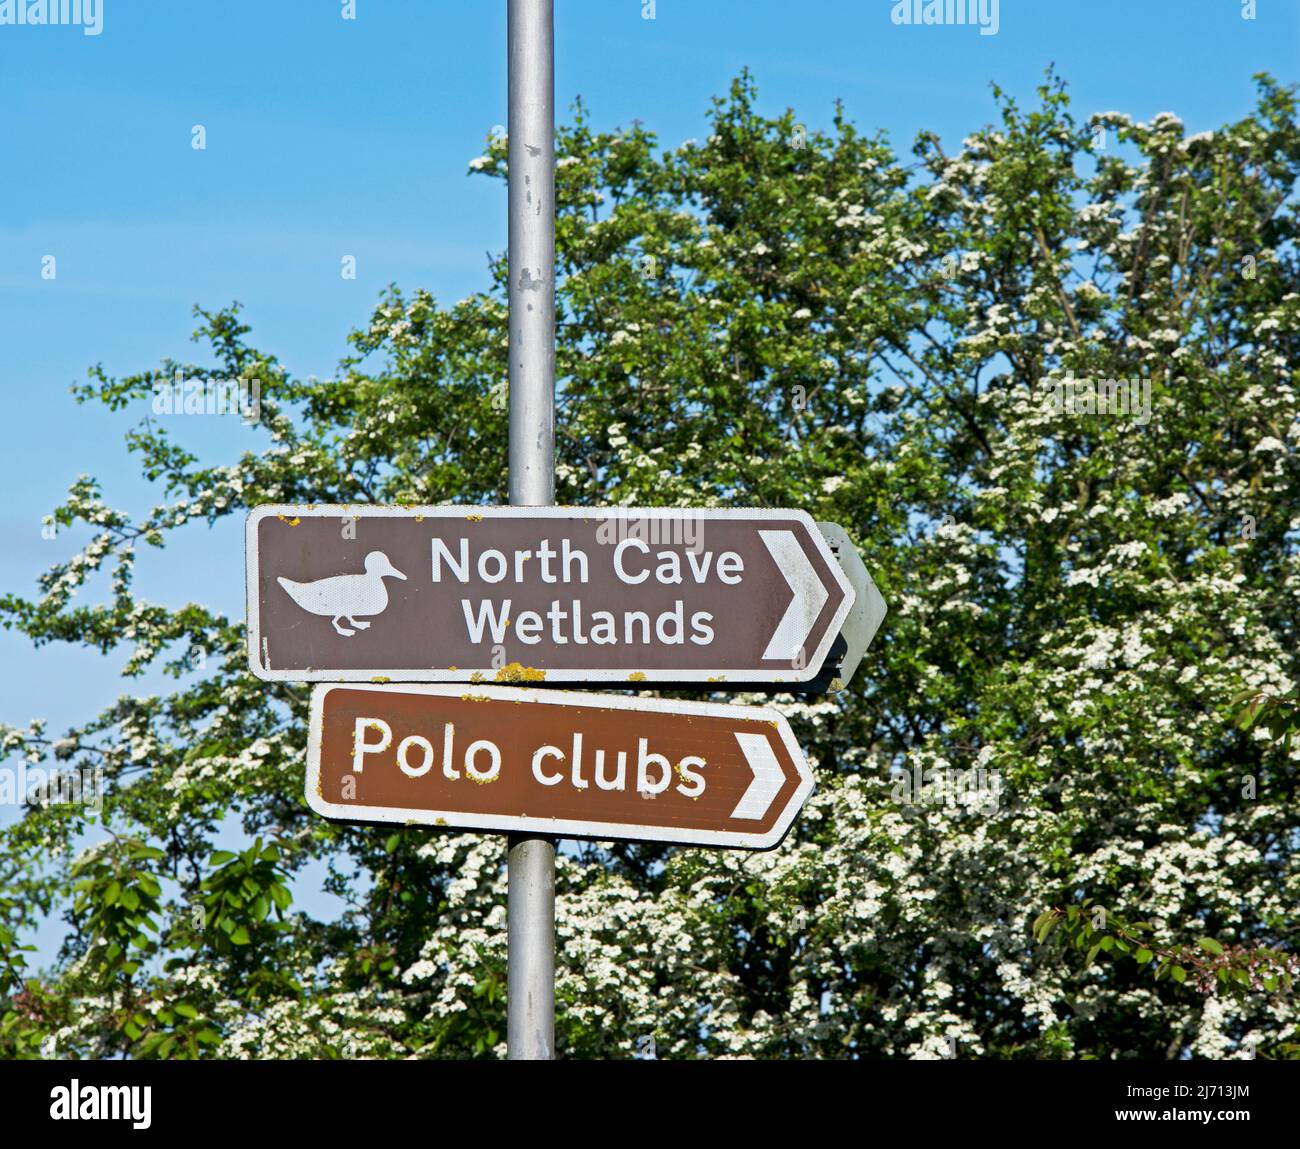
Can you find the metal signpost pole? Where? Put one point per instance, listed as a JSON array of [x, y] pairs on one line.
[[531, 907]]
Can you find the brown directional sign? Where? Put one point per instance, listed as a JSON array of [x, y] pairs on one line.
[[501, 758], [540, 594]]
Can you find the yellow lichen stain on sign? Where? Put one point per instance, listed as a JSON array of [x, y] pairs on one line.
[[477, 676], [292, 522], [636, 676], [517, 672], [373, 724], [473, 518], [678, 771], [475, 698], [381, 678]]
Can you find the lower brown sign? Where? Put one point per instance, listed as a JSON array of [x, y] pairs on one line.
[[559, 763]]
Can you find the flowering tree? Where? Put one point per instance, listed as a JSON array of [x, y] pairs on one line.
[[932, 353]]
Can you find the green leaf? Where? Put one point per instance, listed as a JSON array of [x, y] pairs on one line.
[[1179, 974], [1044, 924], [149, 885], [1144, 955], [1210, 946]]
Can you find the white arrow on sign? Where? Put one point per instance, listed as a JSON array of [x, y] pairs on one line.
[[810, 595], [768, 778]]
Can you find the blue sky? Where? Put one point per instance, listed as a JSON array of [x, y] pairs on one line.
[[329, 137]]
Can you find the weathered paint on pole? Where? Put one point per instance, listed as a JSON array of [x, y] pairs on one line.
[[530, 1001]]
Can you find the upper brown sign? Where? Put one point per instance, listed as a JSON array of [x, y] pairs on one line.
[[554, 594], [555, 762]]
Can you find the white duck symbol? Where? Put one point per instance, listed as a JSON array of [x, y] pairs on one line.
[[346, 596]]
